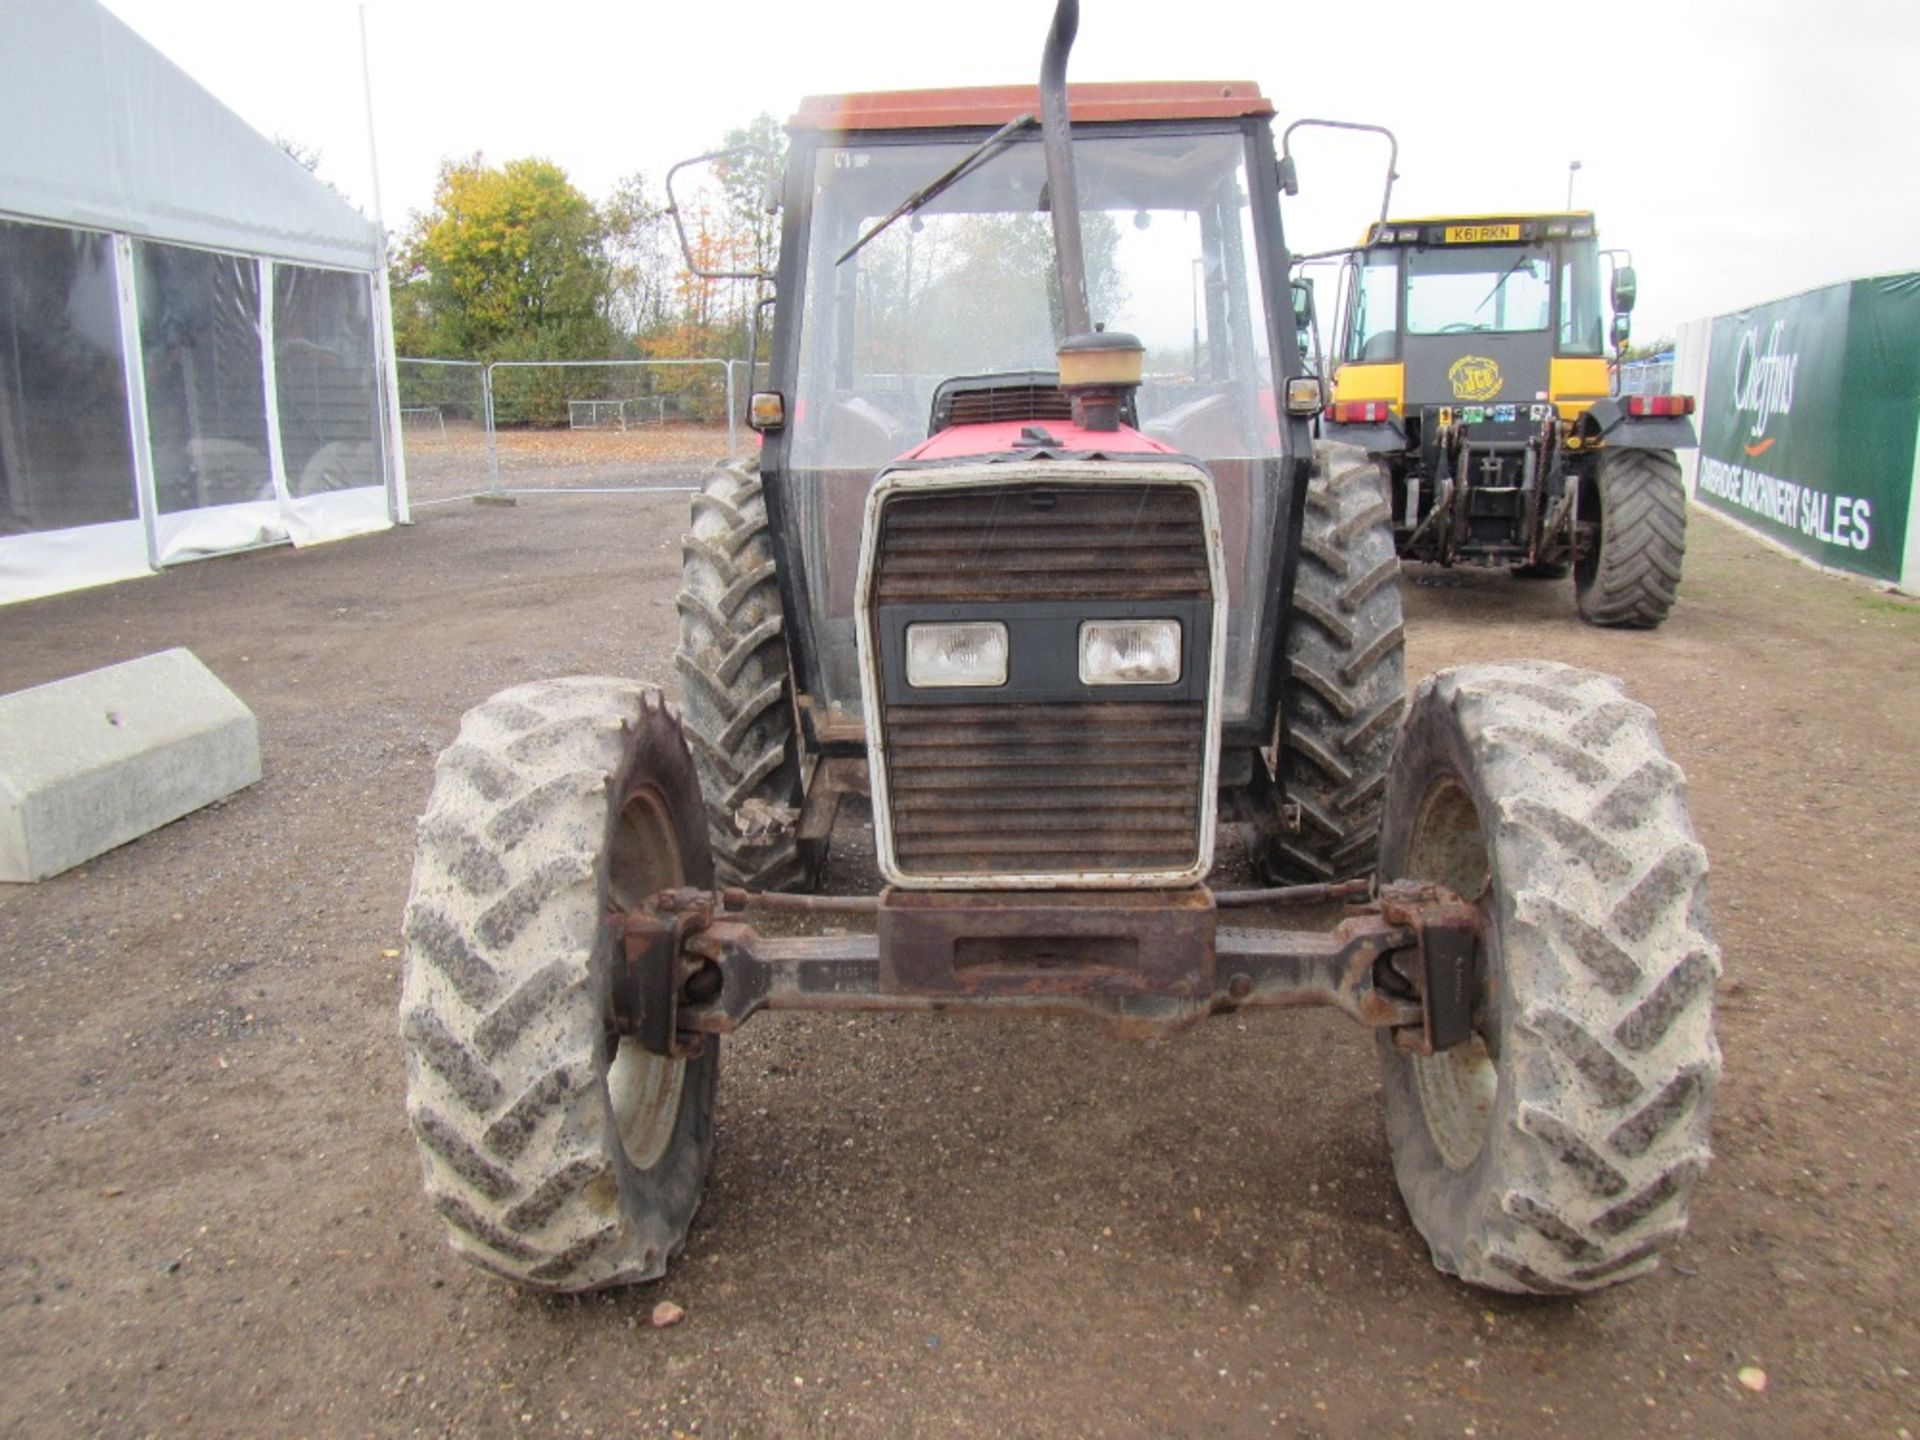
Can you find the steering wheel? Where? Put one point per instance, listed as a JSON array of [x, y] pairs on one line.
[[1459, 327]]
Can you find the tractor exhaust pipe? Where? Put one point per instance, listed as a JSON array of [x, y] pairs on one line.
[[1097, 368], [1057, 137]]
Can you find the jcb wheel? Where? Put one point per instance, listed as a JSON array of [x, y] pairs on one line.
[[733, 667], [1345, 686], [560, 1155], [1629, 577], [1556, 1150]]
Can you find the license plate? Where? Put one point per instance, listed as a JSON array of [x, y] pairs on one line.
[[1480, 234]]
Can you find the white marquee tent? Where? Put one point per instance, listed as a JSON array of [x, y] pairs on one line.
[[195, 344]]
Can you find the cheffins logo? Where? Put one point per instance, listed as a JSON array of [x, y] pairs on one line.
[[1763, 384], [1474, 377]]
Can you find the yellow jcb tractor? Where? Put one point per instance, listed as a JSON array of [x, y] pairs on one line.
[[1470, 362]]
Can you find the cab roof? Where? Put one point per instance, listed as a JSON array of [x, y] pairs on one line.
[[1525, 226], [1490, 216], [997, 104]]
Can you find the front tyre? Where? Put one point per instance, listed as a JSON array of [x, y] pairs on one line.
[[1557, 1149], [1345, 686], [560, 1155], [733, 666], [1629, 576]]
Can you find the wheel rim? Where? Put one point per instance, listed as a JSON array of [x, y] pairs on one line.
[[644, 1089], [1457, 1088], [1586, 565]]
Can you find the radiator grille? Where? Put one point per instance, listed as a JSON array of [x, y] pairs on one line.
[[1055, 787], [1008, 402], [1011, 789], [1107, 542]]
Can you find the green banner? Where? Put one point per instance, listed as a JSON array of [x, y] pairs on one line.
[[1808, 427]]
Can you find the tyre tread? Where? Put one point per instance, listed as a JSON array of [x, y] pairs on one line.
[[1604, 885], [1643, 509], [1347, 672], [512, 1130], [732, 658]]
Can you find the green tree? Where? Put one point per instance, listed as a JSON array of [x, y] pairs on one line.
[[509, 263]]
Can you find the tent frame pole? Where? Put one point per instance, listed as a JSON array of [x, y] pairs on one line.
[[133, 365]]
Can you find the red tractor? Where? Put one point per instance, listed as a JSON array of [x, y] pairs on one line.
[[1041, 556]]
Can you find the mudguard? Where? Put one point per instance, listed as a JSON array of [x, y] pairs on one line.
[[1386, 438], [1609, 421]]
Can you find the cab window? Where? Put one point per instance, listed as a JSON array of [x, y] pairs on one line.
[[1580, 328], [1376, 308]]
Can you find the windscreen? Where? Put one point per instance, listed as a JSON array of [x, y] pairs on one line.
[[966, 286], [1479, 289], [1465, 290]]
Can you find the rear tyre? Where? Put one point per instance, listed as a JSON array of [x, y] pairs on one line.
[[735, 684], [1630, 577], [561, 1156], [1346, 674], [1557, 1149]]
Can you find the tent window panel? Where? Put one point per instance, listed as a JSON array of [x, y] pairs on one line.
[[326, 378], [65, 456], [206, 392]]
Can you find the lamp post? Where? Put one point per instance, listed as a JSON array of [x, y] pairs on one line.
[[1572, 167]]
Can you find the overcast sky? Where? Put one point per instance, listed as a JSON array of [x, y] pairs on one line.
[[1740, 150]]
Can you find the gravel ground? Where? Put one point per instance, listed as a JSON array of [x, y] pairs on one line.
[[210, 1218]]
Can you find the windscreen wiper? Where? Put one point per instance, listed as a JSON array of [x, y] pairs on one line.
[[1501, 282], [970, 162]]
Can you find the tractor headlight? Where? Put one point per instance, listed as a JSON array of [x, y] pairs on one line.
[[943, 656], [1129, 652]]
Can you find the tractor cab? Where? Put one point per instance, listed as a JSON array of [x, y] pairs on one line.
[[1494, 314], [952, 315]]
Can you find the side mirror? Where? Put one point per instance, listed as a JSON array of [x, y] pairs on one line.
[[679, 225], [1624, 289], [1302, 304], [1622, 326], [1289, 176]]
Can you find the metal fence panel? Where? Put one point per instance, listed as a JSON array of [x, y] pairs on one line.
[[1647, 377], [443, 425], [569, 425]]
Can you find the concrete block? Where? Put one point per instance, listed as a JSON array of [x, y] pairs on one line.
[[96, 760]]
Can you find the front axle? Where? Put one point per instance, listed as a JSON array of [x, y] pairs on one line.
[[1149, 962]]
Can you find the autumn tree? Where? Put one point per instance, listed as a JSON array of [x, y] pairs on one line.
[[750, 178], [510, 262], [728, 215], [642, 255], [514, 262]]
